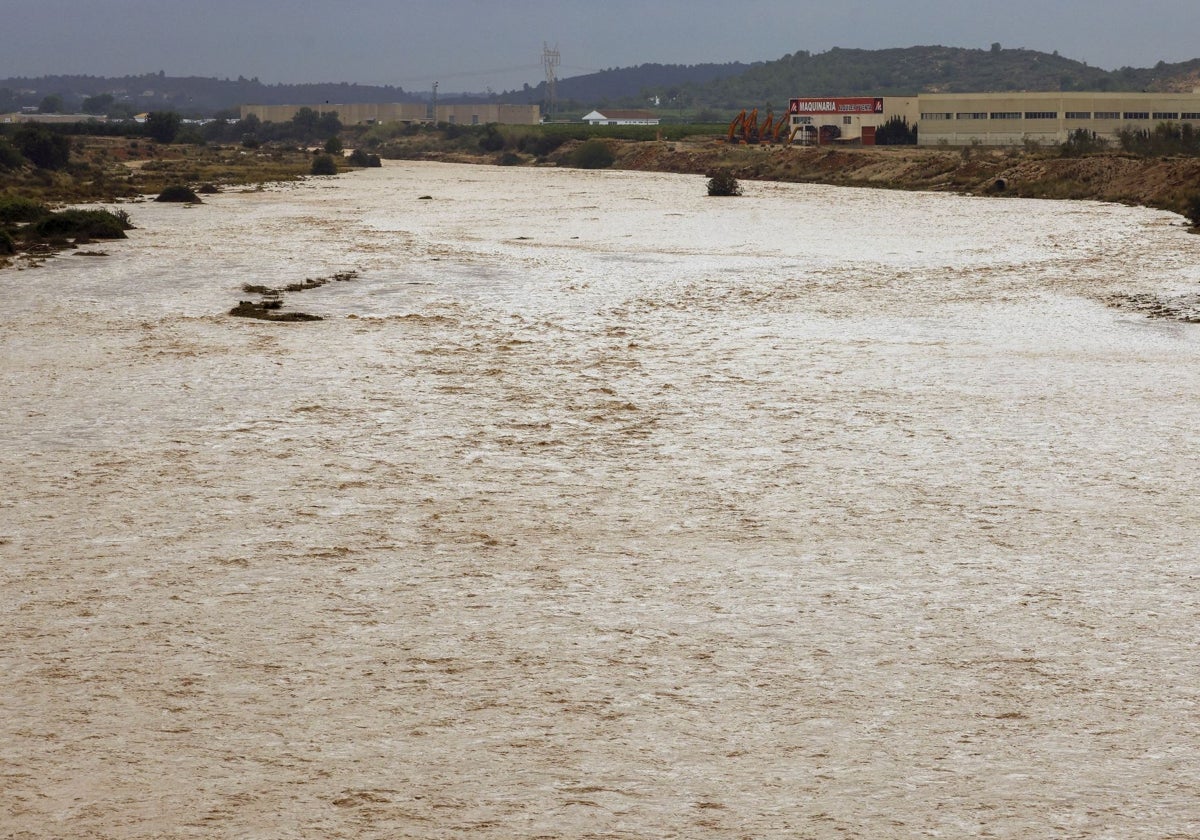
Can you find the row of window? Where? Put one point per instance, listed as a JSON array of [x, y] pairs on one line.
[[1070, 115]]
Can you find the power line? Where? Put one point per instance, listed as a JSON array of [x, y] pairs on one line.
[[466, 74]]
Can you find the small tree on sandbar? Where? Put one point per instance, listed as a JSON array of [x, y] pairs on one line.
[[722, 182]]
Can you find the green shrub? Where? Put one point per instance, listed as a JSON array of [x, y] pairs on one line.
[[178, 193], [324, 165], [1082, 142], [510, 159], [44, 148], [334, 145], [722, 182], [540, 145], [91, 224], [896, 132], [492, 140], [162, 126], [1191, 209], [17, 209], [7, 246], [10, 158], [360, 157], [592, 154]]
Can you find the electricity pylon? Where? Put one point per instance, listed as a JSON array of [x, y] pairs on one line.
[[550, 60]]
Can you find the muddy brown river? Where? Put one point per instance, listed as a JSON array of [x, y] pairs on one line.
[[599, 508]]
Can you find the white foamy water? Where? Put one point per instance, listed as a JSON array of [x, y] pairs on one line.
[[599, 508]]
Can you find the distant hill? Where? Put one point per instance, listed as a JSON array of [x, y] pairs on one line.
[[672, 87], [187, 94], [912, 70], [191, 94], [629, 84]]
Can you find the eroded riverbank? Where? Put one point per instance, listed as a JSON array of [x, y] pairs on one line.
[[1163, 182]]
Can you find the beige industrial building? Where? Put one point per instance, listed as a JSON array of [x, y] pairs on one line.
[[390, 112], [1008, 119], [482, 114]]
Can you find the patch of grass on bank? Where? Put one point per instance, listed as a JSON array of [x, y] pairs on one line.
[[15, 209], [86, 224]]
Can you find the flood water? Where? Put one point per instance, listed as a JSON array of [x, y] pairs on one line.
[[599, 508]]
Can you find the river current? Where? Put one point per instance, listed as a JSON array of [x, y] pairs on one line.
[[596, 507]]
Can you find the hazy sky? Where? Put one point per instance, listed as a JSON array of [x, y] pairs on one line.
[[476, 44]]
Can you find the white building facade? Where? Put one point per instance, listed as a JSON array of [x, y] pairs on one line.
[[621, 118]]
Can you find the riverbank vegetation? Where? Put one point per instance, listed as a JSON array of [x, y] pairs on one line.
[[48, 167], [31, 227]]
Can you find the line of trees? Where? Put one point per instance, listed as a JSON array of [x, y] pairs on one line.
[[896, 132], [1166, 138], [48, 145], [307, 126]]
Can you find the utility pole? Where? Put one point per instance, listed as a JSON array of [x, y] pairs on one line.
[[550, 60], [433, 111]]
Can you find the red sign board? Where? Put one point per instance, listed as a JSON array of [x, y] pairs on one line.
[[837, 105]]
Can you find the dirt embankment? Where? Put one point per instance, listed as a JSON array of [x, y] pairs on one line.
[[1153, 182], [1165, 183]]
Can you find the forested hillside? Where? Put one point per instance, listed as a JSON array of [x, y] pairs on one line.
[[902, 71], [926, 70], [630, 84]]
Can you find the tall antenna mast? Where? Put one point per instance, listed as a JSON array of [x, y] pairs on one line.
[[550, 60], [433, 106]]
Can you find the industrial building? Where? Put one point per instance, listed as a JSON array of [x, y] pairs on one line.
[[989, 119], [391, 112], [853, 119], [1007, 119]]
